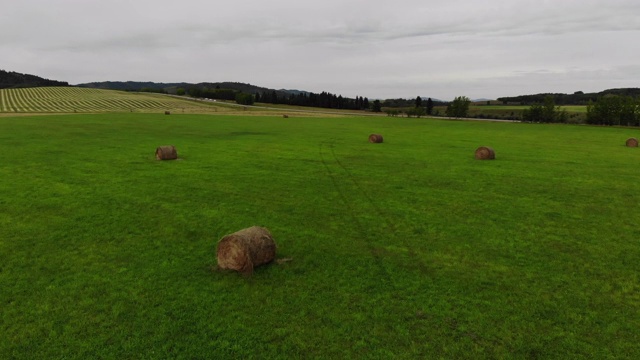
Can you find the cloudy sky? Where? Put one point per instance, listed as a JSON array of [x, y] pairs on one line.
[[374, 48]]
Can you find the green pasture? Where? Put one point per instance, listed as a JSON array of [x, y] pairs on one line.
[[501, 107], [574, 108], [409, 249]]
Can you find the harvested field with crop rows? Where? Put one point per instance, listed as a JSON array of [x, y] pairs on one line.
[[84, 100]]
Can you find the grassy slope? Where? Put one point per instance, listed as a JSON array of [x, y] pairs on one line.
[[83, 100], [407, 249]]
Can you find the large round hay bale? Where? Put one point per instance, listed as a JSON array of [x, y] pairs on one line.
[[375, 138], [167, 152], [245, 249], [167, 112], [632, 142], [485, 153]]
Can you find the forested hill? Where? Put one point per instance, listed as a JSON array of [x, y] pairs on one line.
[[243, 93], [10, 79], [577, 98], [132, 85], [171, 88]]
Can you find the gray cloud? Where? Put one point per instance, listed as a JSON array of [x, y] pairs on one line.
[[371, 48]]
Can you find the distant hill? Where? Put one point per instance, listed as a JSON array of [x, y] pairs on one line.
[[577, 98], [130, 85], [435, 100], [10, 79], [232, 90], [171, 88]]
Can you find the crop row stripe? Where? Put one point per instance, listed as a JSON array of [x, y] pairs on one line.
[[68, 99]]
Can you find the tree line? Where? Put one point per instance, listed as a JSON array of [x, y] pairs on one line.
[[412, 107], [577, 98], [416, 107], [322, 100], [301, 98], [610, 109], [614, 110]]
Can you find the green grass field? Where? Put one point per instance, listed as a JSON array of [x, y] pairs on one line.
[[406, 249]]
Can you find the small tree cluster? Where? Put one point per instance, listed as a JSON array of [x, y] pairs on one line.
[[614, 110], [547, 112], [459, 107], [376, 106], [244, 99], [429, 106], [417, 111]]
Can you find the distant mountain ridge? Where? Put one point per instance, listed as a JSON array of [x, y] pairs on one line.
[[12, 79]]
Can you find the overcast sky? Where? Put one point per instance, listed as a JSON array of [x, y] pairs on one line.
[[377, 49]]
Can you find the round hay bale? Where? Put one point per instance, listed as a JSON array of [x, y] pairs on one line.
[[167, 152], [375, 138], [632, 142], [285, 116], [485, 153], [246, 249], [167, 112]]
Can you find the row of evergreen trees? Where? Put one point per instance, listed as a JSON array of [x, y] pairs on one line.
[[322, 100]]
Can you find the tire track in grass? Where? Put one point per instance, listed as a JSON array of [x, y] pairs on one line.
[[398, 295], [383, 272], [387, 218]]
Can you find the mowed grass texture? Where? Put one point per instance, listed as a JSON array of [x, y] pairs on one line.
[[83, 100], [406, 249]]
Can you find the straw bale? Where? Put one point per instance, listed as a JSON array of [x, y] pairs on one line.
[[375, 138], [167, 152], [485, 153], [246, 249]]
